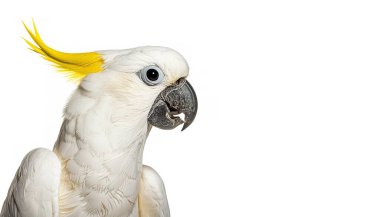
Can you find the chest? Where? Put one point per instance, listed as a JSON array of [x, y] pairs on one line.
[[110, 189], [101, 185], [101, 171]]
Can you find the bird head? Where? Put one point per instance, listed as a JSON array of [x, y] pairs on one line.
[[148, 83]]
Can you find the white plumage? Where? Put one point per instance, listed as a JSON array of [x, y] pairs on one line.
[[95, 168], [34, 190]]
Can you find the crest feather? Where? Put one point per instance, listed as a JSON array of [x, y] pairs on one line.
[[75, 65]]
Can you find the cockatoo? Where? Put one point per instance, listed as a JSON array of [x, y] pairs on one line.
[[95, 168]]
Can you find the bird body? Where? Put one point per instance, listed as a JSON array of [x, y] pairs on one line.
[[95, 168]]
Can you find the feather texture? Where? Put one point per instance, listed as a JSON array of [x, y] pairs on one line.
[[75, 65], [34, 190], [152, 195]]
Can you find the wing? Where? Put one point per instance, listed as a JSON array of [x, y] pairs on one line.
[[34, 190], [152, 195]]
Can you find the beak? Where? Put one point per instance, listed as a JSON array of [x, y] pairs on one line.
[[174, 100]]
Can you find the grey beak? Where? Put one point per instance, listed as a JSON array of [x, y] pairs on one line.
[[175, 99]]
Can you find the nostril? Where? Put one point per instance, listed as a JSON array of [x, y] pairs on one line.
[[180, 81]]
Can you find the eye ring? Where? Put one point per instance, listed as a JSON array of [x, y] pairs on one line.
[[151, 75]]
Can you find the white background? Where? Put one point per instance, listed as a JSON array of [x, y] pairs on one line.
[[289, 110]]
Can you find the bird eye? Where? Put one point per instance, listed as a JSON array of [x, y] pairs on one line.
[[151, 75]]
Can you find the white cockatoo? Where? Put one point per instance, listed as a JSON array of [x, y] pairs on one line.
[[95, 168]]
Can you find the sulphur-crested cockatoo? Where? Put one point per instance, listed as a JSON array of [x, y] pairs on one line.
[[95, 168]]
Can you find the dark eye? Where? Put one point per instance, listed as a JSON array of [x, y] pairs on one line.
[[151, 75]]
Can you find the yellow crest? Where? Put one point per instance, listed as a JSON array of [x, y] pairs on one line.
[[76, 65]]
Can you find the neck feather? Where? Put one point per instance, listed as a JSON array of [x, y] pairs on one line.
[[101, 151]]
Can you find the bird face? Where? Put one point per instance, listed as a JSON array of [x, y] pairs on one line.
[[152, 80]]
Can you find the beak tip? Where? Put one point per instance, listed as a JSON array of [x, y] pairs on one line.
[[184, 127], [187, 123]]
